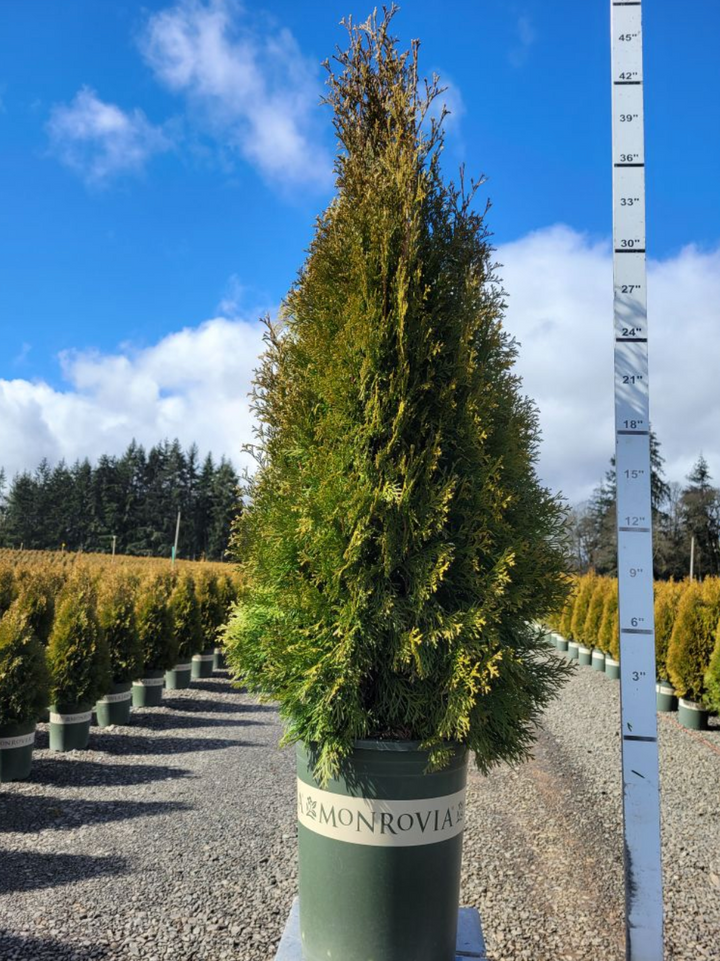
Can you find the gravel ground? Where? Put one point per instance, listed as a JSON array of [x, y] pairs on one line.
[[174, 839]]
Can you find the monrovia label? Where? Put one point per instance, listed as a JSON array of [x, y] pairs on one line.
[[116, 698], [70, 718], [150, 682], [183, 667], [20, 740], [203, 657], [381, 823]]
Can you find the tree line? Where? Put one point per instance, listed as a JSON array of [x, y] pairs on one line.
[[134, 498], [685, 518]]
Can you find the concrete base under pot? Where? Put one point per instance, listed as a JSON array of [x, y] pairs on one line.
[[470, 941]]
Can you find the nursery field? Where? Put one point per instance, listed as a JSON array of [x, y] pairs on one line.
[[174, 838], [687, 639]]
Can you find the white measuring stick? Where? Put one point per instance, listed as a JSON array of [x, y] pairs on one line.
[[641, 794]]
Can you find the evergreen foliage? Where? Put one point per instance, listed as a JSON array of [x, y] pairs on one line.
[[116, 613], [595, 611], [396, 524], [712, 676], [213, 609], [566, 616], [187, 624], [155, 624], [7, 587], [581, 606], [36, 592], [679, 515], [667, 598], [609, 635], [77, 652], [693, 638], [135, 497], [24, 677]]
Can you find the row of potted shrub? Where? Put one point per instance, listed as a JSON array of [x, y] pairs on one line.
[[687, 639], [100, 644]]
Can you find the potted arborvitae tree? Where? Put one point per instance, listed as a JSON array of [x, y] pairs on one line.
[[7, 587], [396, 544], [116, 613], [186, 626], [212, 617], [79, 664], [690, 649], [228, 594], [667, 599], [157, 640], [566, 620], [580, 611], [712, 675], [591, 628], [609, 635], [24, 693]]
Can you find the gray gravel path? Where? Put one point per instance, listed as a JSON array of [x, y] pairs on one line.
[[174, 839]]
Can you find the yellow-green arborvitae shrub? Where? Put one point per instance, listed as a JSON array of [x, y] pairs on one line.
[[24, 678], [609, 635], [77, 652], [667, 599], [693, 638], [596, 609], [580, 608], [567, 609], [712, 675]]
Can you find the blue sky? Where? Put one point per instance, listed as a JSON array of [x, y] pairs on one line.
[[161, 165]]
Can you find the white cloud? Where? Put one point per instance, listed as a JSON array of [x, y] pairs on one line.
[[251, 87], [100, 141], [525, 38], [193, 384], [559, 286]]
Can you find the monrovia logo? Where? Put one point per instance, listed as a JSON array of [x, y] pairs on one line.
[[388, 823]]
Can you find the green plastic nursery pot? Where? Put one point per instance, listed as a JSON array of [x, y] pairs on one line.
[[115, 707], [598, 660], [692, 715], [219, 659], [202, 664], [665, 697], [584, 655], [179, 678], [16, 747], [572, 650], [70, 726], [148, 690], [561, 643], [379, 854], [612, 668]]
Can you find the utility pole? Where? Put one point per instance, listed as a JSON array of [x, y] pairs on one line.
[[692, 557], [177, 536]]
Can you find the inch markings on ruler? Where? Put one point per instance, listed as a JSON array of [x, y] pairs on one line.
[[641, 798]]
